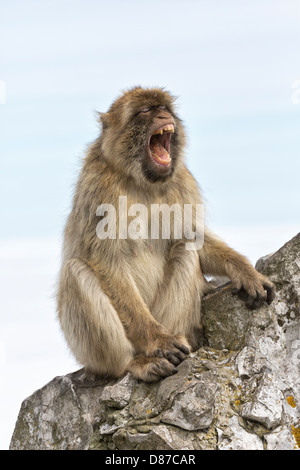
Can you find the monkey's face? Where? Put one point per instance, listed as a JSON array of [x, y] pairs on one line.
[[143, 136], [156, 159]]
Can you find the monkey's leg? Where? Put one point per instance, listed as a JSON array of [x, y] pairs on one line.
[[178, 299], [92, 328]]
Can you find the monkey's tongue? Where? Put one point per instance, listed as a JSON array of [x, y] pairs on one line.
[[159, 153]]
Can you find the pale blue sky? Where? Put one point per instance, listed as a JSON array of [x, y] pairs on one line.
[[232, 64]]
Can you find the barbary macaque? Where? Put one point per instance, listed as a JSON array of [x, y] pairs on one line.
[[133, 303]]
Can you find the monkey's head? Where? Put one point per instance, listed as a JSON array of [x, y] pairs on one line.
[[142, 136]]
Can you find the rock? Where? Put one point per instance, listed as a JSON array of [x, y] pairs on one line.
[[265, 405], [280, 440], [242, 392], [117, 395], [238, 438], [193, 408]]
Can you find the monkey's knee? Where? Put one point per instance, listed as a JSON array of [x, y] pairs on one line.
[[90, 324], [98, 344]]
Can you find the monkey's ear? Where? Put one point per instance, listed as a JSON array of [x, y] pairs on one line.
[[105, 120]]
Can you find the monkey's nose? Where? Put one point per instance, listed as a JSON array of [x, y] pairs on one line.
[[163, 115]]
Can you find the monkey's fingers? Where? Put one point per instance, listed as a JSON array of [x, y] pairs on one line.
[[173, 348], [266, 293], [254, 302], [180, 355], [173, 358], [158, 353], [163, 368], [182, 351], [270, 292], [150, 369], [182, 348]]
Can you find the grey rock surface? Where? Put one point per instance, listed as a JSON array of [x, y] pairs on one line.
[[242, 392]]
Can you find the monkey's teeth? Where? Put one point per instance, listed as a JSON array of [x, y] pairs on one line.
[[168, 128], [163, 161]]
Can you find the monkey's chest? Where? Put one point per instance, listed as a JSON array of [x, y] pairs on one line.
[[146, 265]]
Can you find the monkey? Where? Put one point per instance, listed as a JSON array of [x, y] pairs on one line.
[[134, 304]]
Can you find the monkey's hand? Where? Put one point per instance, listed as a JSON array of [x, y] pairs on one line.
[[174, 348], [159, 356], [253, 287]]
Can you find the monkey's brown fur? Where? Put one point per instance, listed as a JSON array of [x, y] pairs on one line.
[[134, 305]]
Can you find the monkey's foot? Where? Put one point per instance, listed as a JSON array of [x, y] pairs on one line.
[[150, 369]]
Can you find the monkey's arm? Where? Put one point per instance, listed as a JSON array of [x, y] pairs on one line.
[[218, 258], [144, 332]]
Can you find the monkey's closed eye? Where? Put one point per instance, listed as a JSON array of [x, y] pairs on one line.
[[145, 110]]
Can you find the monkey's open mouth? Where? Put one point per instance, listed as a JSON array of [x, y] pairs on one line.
[[159, 145]]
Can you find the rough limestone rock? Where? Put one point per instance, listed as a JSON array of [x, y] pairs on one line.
[[241, 392]]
